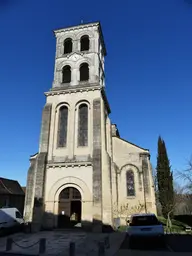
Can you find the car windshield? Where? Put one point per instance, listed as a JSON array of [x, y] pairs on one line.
[[144, 220], [18, 215]]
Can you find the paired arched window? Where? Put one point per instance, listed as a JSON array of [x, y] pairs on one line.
[[84, 43], [68, 45], [83, 125], [130, 182], [84, 72], [62, 126], [66, 74]]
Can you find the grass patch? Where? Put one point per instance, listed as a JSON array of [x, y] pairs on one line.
[[122, 228], [176, 225]]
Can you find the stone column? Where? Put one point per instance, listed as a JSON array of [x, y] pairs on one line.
[[97, 165], [146, 181], [106, 175], [29, 194], [40, 179]]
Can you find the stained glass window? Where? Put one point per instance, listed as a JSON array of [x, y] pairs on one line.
[[83, 125], [62, 131], [84, 72], [130, 183], [66, 74]]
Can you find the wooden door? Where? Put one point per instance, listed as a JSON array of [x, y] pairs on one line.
[[64, 214]]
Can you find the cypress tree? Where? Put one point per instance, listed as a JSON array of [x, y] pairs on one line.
[[164, 179]]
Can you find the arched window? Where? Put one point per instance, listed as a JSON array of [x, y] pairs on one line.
[[62, 126], [83, 125], [130, 183], [66, 74], [84, 43], [68, 45], [70, 193], [84, 72]]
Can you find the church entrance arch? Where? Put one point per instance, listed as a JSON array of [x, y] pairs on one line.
[[69, 207]]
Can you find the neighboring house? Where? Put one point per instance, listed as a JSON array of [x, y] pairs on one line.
[[84, 170], [11, 194]]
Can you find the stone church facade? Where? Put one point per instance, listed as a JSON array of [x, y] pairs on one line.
[[83, 169]]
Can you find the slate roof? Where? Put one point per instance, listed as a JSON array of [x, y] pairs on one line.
[[8, 186]]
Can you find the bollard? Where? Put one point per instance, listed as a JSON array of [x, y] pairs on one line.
[[107, 243], [101, 250], [9, 243], [72, 249], [42, 245]]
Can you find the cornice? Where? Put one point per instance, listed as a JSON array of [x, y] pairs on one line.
[[77, 27], [68, 90], [69, 164], [60, 90]]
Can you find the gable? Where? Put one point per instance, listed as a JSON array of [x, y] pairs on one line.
[[125, 152], [124, 144]]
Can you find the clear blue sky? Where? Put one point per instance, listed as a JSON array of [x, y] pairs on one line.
[[148, 70]]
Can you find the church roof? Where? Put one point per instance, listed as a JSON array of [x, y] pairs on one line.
[[8, 186], [84, 25]]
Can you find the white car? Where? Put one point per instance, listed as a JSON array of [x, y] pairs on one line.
[[145, 225], [10, 217]]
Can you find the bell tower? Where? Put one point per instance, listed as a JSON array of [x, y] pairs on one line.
[[73, 141], [80, 53]]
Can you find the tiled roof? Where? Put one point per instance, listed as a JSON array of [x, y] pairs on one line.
[[24, 189], [10, 187]]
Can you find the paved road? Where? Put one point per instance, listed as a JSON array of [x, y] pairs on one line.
[[14, 254], [174, 243], [144, 244], [179, 243]]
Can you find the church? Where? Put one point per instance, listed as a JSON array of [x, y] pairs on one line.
[[84, 172]]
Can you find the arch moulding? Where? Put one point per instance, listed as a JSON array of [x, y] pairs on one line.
[[129, 166], [69, 181]]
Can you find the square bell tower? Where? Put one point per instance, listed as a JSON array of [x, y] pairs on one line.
[[80, 53]]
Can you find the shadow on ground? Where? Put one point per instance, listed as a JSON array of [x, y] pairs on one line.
[[143, 244], [176, 243], [179, 243]]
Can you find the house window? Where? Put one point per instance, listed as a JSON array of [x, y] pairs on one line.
[[66, 74], [130, 183], [84, 72], [62, 131], [83, 125], [84, 43], [68, 45]]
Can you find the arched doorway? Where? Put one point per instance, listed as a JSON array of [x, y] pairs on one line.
[[69, 210]]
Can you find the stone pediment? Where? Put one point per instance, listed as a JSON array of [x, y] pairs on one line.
[[69, 58], [74, 56]]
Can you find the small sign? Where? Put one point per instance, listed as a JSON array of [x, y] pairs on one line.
[[63, 212]]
